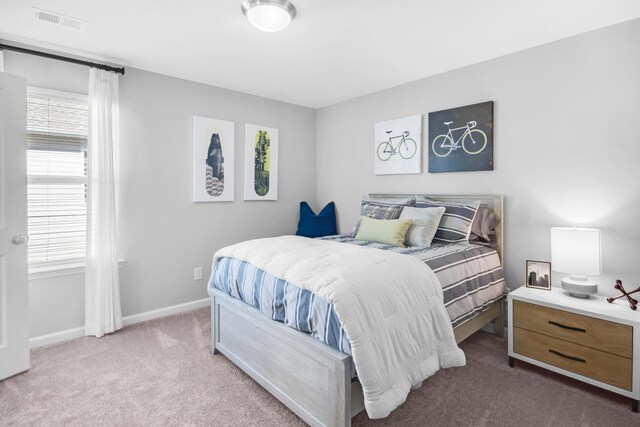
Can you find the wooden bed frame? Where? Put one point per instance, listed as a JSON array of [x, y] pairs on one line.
[[309, 377]]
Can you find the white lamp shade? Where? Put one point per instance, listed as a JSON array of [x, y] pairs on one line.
[[576, 251]]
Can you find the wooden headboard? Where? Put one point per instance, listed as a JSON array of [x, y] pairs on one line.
[[493, 201]]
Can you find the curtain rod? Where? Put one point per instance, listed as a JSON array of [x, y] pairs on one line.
[[62, 58]]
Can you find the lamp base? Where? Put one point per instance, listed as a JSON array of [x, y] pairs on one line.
[[579, 286]]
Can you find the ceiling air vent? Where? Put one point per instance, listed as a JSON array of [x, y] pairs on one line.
[[57, 19]]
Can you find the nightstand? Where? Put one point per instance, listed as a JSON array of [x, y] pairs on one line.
[[586, 339]]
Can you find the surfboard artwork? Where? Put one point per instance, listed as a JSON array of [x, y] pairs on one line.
[[214, 174], [213, 155], [262, 162]]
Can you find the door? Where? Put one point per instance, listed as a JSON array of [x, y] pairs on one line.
[[14, 290]]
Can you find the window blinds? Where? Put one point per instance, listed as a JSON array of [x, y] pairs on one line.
[[57, 129]]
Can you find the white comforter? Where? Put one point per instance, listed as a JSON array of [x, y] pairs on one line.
[[390, 305]]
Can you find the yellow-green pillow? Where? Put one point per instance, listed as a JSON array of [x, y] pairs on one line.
[[387, 231]]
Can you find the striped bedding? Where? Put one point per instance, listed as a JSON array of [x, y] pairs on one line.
[[471, 277]]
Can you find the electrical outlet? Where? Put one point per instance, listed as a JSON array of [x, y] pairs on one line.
[[197, 273]]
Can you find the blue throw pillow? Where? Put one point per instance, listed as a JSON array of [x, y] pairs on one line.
[[312, 225]]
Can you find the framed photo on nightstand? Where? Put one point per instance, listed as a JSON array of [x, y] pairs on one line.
[[538, 275]]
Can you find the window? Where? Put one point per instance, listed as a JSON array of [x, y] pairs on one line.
[[57, 129]]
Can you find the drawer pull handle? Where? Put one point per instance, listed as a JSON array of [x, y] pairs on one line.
[[571, 328], [577, 359]]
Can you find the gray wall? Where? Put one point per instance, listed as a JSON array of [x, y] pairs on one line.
[[163, 235], [566, 149], [566, 145]]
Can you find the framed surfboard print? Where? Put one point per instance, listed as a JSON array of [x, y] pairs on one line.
[[213, 149], [260, 163]]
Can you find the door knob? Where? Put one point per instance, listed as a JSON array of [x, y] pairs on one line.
[[19, 239]]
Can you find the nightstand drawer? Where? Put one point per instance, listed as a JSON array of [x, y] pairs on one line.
[[599, 365], [598, 334]]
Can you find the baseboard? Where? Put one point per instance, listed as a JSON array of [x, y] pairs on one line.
[[55, 337], [69, 334], [167, 311]]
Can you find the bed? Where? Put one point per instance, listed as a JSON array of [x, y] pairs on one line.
[[313, 378]]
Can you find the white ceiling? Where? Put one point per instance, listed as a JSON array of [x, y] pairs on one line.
[[333, 51]]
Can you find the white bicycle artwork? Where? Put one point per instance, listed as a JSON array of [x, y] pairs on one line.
[[472, 141]]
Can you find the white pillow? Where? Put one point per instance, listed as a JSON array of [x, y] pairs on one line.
[[424, 224]]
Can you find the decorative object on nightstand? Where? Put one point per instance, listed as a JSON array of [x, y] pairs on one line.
[[538, 275], [633, 303], [576, 251], [580, 338]]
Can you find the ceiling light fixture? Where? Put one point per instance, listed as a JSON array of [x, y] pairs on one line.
[[269, 15]]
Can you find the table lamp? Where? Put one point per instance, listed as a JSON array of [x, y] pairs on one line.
[[576, 251]]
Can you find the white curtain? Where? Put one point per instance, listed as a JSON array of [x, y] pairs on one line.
[[102, 288]]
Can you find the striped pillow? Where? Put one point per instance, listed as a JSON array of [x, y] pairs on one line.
[[382, 209], [424, 224], [455, 225]]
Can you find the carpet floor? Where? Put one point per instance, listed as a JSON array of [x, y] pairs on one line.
[[161, 373]]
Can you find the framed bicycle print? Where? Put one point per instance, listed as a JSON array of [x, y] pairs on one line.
[[397, 146], [461, 139], [538, 275]]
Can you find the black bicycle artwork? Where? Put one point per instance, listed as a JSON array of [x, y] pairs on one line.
[[461, 139]]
